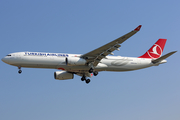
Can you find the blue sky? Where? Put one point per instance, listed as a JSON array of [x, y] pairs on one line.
[[78, 27]]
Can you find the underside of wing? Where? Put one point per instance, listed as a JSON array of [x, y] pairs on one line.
[[95, 56]]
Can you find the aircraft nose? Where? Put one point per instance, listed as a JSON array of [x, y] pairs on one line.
[[6, 60], [3, 59]]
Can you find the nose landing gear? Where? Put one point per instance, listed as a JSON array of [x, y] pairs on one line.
[[20, 71]]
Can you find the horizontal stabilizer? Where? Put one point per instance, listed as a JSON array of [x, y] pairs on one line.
[[163, 57]]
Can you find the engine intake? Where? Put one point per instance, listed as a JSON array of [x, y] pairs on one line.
[[75, 61], [63, 75]]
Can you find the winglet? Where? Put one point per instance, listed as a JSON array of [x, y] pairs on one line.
[[138, 28]]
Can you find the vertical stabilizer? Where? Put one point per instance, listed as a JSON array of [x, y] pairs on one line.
[[156, 50]]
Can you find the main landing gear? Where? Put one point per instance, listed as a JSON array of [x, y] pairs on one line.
[[20, 71], [91, 70], [86, 80], [95, 73]]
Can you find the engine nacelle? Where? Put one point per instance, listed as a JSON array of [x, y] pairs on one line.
[[63, 75], [74, 61]]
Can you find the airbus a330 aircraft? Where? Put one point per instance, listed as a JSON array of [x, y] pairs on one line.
[[91, 63]]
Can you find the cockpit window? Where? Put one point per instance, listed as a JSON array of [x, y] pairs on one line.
[[8, 55]]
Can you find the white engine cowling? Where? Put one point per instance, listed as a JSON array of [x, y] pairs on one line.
[[63, 75], [73, 61]]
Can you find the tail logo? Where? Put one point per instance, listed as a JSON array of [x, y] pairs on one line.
[[155, 51]]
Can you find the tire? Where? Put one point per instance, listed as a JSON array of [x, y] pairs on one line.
[[95, 73], [88, 81]]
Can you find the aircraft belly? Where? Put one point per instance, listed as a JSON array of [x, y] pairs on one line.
[[36, 66]]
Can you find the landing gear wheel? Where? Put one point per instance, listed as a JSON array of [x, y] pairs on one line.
[[20, 71], [83, 78], [95, 73], [91, 70], [88, 81]]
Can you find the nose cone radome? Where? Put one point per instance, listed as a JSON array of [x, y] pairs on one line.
[[3, 59]]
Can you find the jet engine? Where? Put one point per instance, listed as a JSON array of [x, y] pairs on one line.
[[73, 61], [63, 75]]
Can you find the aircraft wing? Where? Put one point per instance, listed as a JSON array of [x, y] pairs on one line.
[[96, 55]]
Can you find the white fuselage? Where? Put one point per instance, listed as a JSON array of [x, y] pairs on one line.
[[57, 61]]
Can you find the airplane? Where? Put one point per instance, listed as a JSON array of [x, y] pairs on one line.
[[91, 63]]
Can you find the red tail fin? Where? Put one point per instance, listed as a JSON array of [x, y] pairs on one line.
[[156, 50]]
